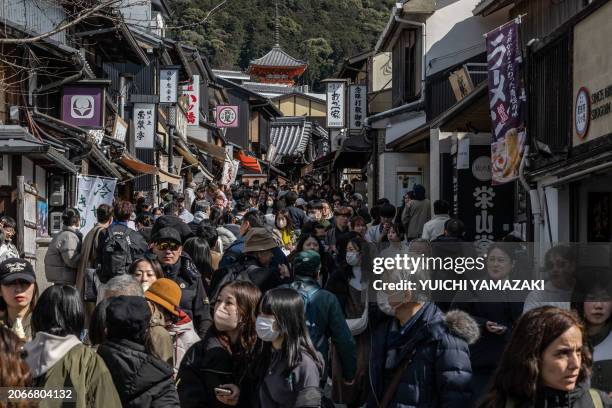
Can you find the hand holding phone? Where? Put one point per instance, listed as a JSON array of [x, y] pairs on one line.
[[222, 391]]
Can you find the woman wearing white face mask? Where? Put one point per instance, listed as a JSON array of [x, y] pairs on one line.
[[350, 283], [290, 369], [213, 372]]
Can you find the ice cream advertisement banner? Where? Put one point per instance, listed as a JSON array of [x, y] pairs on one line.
[[507, 101]]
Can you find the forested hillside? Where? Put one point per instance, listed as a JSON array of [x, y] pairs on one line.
[[322, 32]]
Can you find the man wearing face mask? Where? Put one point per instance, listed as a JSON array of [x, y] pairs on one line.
[[324, 316], [168, 248], [418, 348]]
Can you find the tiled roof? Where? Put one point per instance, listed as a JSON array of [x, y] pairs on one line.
[[268, 88], [278, 58], [290, 136]]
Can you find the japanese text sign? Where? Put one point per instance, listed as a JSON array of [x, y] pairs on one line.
[[359, 106], [92, 191], [192, 91], [335, 104], [507, 101], [168, 85], [144, 125], [83, 106]]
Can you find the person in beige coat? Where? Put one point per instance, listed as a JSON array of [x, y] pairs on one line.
[[416, 213], [64, 253]]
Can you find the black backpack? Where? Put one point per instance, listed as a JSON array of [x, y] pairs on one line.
[[235, 272], [116, 253]]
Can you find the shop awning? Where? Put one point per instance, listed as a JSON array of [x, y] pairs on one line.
[[290, 136], [211, 149], [137, 166], [249, 163], [184, 151], [354, 153], [103, 163], [166, 177]]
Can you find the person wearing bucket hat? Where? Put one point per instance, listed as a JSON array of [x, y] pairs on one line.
[[141, 379], [179, 267], [253, 265], [164, 297], [18, 294], [324, 314]]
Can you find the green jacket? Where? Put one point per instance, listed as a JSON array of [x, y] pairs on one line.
[[80, 368]]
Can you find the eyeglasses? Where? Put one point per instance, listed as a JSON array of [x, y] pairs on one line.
[[173, 246]]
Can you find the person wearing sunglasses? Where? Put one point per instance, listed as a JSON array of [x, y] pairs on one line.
[[178, 266]]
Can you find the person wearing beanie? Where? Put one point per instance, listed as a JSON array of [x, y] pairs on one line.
[[324, 315], [141, 379], [164, 297], [179, 267]]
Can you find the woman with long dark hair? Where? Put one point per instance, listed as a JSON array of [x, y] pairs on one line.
[[284, 225], [222, 357], [546, 364], [14, 372], [290, 366], [310, 242], [199, 251]]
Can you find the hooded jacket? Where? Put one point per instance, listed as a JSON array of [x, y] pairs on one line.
[[64, 362], [183, 336], [141, 379], [439, 372]]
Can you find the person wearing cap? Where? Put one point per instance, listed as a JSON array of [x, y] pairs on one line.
[[324, 315], [416, 213], [18, 294], [64, 253], [141, 379], [171, 219], [164, 297], [178, 266]]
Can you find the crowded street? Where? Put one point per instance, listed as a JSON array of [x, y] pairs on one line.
[[274, 204]]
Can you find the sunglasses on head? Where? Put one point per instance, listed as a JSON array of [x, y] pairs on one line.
[[173, 246]]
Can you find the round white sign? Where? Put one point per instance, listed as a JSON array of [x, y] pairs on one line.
[[481, 168], [227, 116], [582, 115]]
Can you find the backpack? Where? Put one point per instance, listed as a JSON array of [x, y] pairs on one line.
[[235, 272], [116, 253], [317, 336]]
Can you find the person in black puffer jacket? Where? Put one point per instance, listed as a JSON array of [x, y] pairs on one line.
[[419, 356], [141, 379], [179, 267]]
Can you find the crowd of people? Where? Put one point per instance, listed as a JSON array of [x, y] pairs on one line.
[[261, 296]]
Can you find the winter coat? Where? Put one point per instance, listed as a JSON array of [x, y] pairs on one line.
[[226, 236], [435, 227], [160, 341], [137, 243], [234, 252], [175, 222], [64, 362], [262, 277], [602, 359], [579, 397], [183, 336], [329, 320], [298, 217], [414, 217], [194, 300], [439, 372], [141, 379], [206, 365], [63, 255]]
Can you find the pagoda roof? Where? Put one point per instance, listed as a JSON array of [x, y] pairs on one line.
[[278, 58]]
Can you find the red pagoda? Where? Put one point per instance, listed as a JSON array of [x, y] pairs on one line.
[[277, 67]]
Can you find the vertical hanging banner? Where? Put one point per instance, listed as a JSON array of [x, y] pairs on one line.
[[192, 91], [92, 191], [168, 85], [335, 104], [230, 169], [144, 125], [358, 107], [507, 101]]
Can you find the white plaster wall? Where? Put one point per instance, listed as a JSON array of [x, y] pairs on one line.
[[454, 34], [389, 165]]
